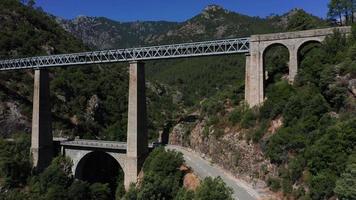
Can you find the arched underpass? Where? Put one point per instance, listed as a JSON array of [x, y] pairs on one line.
[[100, 167]]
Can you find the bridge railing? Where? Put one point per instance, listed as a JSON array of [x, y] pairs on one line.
[[217, 47], [95, 143]]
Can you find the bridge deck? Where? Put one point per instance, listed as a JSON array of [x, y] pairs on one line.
[[217, 47], [95, 144]]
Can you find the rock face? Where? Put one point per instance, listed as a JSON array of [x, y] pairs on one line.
[[229, 151], [352, 86], [12, 120], [214, 22], [103, 33], [93, 105], [190, 180]]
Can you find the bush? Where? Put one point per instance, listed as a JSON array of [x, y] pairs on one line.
[[259, 133], [346, 184], [235, 116], [15, 166], [161, 181], [274, 184], [99, 191], [79, 190], [322, 185], [248, 119], [213, 189]]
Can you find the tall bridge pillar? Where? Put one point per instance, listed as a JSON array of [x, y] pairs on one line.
[[293, 63], [41, 139], [137, 142], [254, 77]]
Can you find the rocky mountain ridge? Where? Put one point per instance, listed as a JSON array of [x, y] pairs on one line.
[[214, 22]]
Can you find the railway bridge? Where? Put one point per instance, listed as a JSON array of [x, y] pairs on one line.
[[131, 156]]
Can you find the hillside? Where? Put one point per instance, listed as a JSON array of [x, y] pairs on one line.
[[90, 101], [300, 143], [214, 22], [103, 33]]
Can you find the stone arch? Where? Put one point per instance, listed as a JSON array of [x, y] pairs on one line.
[[303, 44], [99, 166], [264, 51]]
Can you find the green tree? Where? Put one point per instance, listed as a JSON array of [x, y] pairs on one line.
[[15, 166], [322, 185], [54, 181], [161, 181], [79, 190], [335, 10], [99, 191], [342, 10], [346, 184], [184, 194], [213, 189], [302, 21]]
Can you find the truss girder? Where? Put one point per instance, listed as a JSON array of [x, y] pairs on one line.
[[207, 48]]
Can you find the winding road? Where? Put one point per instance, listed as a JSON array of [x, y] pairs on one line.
[[203, 168]]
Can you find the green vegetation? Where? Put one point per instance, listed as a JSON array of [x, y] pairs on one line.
[[15, 165]]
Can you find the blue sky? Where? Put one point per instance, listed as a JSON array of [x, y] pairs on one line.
[[173, 10]]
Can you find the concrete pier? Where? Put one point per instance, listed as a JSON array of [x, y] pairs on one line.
[[137, 142], [41, 141]]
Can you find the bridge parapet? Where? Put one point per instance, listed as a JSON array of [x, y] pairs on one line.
[[95, 144], [299, 34]]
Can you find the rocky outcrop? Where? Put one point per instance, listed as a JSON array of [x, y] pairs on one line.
[[352, 87], [103, 33], [230, 151], [12, 120], [190, 180], [93, 105]]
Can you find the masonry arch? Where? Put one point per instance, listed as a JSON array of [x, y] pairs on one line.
[[275, 61], [100, 167], [305, 47]]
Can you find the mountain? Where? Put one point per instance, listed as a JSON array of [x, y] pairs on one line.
[[214, 22], [103, 33]]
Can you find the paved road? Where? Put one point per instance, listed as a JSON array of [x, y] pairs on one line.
[[203, 168]]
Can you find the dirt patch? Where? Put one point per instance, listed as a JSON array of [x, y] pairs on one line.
[[191, 181]]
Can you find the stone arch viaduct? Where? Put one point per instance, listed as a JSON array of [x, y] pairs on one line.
[[132, 154], [293, 41]]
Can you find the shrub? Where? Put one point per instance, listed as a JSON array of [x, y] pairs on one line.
[[213, 189], [248, 119], [274, 184]]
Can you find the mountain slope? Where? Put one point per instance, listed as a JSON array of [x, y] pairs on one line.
[[213, 23], [103, 33], [25, 32], [87, 101]]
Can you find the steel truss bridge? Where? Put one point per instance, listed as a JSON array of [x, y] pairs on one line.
[[217, 47]]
